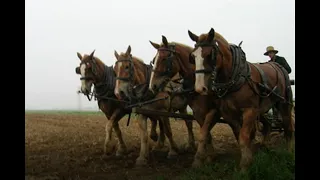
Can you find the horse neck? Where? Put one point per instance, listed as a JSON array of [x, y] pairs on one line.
[[139, 72], [226, 67], [100, 77], [186, 68]]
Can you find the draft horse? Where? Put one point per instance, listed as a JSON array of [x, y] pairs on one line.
[[172, 58], [95, 73], [133, 77], [245, 90]]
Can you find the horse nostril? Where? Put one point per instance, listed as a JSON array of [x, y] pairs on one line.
[[154, 87], [85, 91], [204, 89], [122, 94]]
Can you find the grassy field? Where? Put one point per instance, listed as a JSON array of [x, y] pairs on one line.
[[69, 145]]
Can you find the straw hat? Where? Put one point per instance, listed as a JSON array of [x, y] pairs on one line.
[[270, 49]]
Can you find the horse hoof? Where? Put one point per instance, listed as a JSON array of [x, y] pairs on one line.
[[107, 152], [157, 147], [172, 155], [209, 160], [190, 148], [140, 162], [120, 153], [197, 163], [154, 137], [243, 169]]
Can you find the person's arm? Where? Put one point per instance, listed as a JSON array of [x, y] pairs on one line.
[[285, 64]]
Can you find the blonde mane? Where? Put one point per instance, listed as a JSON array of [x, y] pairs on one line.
[[86, 56], [218, 37], [133, 57], [138, 59], [183, 45]]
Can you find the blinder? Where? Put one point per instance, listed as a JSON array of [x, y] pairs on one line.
[[130, 69], [212, 56], [92, 65], [168, 60], [77, 70]]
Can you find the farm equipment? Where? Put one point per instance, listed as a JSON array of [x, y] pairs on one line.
[[274, 121]]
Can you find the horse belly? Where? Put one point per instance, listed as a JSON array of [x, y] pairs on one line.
[[108, 108], [274, 77]]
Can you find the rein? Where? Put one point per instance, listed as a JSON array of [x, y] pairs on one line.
[[132, 88], [169, 65], [101, 89], [240, 71]]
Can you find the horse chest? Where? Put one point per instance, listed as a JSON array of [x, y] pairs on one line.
[[227, 106], [234, 104], [106, 107]]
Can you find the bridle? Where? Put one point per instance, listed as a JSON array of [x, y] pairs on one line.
[[90, 64], [220, 88], [131, 70], [93, 65], [212, 61], [168, 60], [130, 79], [168, 64]]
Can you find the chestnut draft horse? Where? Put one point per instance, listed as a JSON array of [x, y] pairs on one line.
[[132, 82], [172, 58], [245, 90], [94, 72]]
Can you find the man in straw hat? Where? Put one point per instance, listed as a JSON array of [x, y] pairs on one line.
[[271, 52]]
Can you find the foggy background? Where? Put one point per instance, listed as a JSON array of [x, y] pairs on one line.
[[57, 29]]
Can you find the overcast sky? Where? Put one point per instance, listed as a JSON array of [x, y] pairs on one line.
[[57, 29]]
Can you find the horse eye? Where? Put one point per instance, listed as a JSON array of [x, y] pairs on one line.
[[127, 67]]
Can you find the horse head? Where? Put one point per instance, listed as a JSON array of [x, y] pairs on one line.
[[210, 53], [91, 71], [170, 59]]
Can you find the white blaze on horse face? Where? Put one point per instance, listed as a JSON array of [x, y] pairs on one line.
[[83, 73], [152, 73], [116, 90], [199, 84]]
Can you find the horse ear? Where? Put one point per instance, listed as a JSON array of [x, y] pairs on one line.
[[91, 55], [116, 54], [155, 45], [128, 50], [79, 56], [193, 36], [165, 41], [77, 70], [211, 35]]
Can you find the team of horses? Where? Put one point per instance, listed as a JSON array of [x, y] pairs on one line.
[[213, 78]]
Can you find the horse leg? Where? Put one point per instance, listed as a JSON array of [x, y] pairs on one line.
[[109, 126], [235, 126], [247, 134], [288, 123], [203, 139], [266, 130], [173, 148], [161, 138], [191, 142], [209, 145], [144, 148], [153, 132], [122, 148]]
